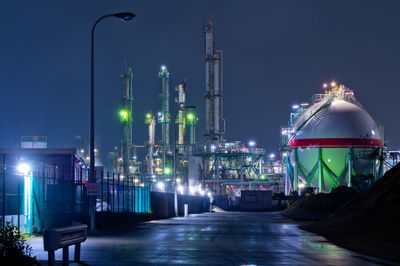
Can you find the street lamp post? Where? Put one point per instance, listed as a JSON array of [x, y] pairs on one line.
[[125, 16]]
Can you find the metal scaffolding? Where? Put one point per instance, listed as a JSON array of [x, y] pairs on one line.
[[234, 164]]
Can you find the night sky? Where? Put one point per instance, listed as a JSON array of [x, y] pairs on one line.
[[276, 53]]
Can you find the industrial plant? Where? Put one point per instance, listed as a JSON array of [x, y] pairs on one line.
[[328, 142], [182, 159], [209, 132]]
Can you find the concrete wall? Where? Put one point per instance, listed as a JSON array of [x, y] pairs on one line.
[[162, 204], [221, 201], [253, 200], [250, 200]]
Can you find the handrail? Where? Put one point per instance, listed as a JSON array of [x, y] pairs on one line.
[[324, 105]]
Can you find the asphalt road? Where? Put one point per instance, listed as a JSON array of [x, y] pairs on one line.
[[213, 238]]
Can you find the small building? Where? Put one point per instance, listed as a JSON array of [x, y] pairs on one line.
[[42, 188]]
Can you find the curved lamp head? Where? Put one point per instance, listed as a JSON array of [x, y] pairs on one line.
[[125, 16]]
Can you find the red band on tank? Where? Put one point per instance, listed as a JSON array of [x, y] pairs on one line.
[[335, 143]]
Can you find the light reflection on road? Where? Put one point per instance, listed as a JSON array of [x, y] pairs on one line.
[[214, 238]]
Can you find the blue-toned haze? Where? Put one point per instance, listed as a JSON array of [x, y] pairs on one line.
[[276, 53]]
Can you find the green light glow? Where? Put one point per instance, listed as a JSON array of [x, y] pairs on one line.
[[190, 116], [167, 171], [327, 247], [124, 115], [148, 117]]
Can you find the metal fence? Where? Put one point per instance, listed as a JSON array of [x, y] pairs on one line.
[[37, 194], [119, 194]]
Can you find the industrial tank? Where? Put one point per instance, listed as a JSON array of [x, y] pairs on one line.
[[332, 141]]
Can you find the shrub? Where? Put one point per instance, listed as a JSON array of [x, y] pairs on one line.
[[13, 247]]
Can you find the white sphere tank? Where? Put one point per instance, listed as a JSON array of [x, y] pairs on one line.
[[332, 143]]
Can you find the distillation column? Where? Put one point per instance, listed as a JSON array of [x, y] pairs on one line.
[[213, 100], [192, 120], [217, 95], [150, 120], [126, 119], [180, 120], [214, 91], [165, 118], [209, 61]]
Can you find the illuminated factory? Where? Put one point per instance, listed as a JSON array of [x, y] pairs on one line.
[[332, 141], [228, 167], [178, 159], [328, 142]]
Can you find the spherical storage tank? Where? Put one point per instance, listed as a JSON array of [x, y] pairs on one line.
[[334, 141]]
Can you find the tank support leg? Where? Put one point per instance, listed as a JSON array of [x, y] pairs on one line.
[[319, 170], [296, 176], [350, 167]]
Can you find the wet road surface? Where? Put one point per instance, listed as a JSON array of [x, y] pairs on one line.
[[213, 238]]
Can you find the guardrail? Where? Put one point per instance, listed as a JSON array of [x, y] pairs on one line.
[[64, 237]]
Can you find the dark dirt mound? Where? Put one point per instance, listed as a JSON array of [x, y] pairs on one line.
[[370, 222], [321, 205]]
